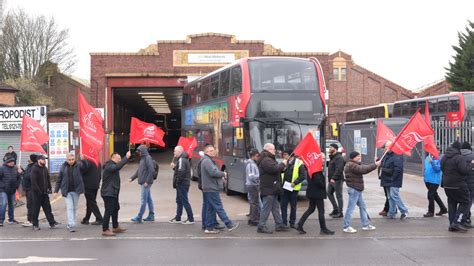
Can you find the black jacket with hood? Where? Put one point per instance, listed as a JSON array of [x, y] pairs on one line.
[[270, 170], [182, 171], [111, 178], [146, 168], [91, 174], [455, 169], [9, 179], [469, 156], [336, 167]]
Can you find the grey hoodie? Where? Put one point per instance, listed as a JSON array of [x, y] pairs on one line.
[[211, 176], [146, 169], [469, 156], [251, 173]]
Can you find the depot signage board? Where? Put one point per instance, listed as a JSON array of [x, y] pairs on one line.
[[10, 117]]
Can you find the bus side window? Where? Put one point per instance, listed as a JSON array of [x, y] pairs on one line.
[[198, 93], [236, 80], [193, 94], [225, 83], [454, 104], [214, 87], [443, 105], [205, 90]]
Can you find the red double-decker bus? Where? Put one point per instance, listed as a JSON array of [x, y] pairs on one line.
[[252, 102]]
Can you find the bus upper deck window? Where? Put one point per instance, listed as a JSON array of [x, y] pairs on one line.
[[236, 80]]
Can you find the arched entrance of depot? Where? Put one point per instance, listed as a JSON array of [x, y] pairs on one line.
[[153, 100]]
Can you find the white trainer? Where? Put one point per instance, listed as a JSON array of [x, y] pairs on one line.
[[369, 228], [349, 230]]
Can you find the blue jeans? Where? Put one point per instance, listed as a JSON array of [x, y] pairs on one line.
[[355, 198], [72, 199], [205, 206], [292, 198], [183, 201], [395, 201], [145, 199], [215, 207], [4, 199]]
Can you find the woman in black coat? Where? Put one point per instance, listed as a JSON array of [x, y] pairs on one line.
[[316, 193]]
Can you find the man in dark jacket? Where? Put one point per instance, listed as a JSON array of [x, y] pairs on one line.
[[354, 171], [91, 175], [295, 174], [41, 187], [10, 179], [466, 152], [110, 192], [455, 169], [182, 182], [145, 173], [391, 177], [316, 193], [270, 188], [10, 153], [71, 186], [26, 183], [336, 180]]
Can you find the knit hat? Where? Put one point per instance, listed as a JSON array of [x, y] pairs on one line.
[[353, 154], [456, 145], [334, 145], [9, 159], [33, 158], [41, 157], [466, 145]]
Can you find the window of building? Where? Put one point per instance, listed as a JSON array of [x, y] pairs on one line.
[[339, 67], [335, 72]]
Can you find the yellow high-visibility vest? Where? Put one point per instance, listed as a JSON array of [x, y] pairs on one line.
[[295, 175]]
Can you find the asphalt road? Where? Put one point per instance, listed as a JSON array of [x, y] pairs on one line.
[[415, 241]]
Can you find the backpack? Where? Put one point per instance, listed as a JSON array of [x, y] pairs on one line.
[[156, 168], [199, 173]]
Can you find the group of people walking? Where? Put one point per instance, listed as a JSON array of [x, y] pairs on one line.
[[271, 186]]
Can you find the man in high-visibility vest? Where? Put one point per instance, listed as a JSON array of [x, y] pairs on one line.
[[295, 173]]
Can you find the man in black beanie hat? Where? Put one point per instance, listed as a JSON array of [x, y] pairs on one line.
[[336, 180], [466, 152], [455, 169], [26, 183]]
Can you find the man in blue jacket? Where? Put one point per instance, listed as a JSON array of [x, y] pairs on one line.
[[432, 178], [391, 177]]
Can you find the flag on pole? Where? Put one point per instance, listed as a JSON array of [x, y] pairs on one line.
[[90, 130], [416, 130], [188, 144], [90, 152], [429, 144], [309, 152], [384, 134], [33, 136], [141, 132]]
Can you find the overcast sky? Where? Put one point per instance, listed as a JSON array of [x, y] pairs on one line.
[[407, 42]]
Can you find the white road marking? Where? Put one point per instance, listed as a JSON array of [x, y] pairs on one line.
[[33, 259]]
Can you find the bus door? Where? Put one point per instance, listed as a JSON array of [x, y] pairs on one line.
[[234, 157]]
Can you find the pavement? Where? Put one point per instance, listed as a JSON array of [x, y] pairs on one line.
[[412, 242]]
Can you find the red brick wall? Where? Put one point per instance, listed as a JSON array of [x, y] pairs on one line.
[[7, 97]]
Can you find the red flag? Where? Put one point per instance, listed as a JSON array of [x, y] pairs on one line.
[[384, 134], [429, 143], [188, 144], [33, 136], [309, 152], [90, 123], [90, 152], [416, 130], [146, 132]]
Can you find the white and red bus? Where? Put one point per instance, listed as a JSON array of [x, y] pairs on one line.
[[454, 107], [251, 102]]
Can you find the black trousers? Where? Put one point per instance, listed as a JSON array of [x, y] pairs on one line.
[[312, 206], [91, 205], [387, 204], [41, 200], [433, 196], [292, 198], [29, 205], [112, 208], [337, 187], [458, 203]]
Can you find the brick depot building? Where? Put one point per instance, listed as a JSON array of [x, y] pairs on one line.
[[116, 79]]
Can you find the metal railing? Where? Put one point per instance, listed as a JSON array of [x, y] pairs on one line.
[[446, 133]]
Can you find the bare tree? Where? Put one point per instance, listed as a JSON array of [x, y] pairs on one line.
[[27, 42]]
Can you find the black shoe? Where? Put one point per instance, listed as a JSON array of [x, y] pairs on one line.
[[219, 227], [334, 212], [84, 222], [292, 226], [457, 228], [441, 212], [264, 230], [326, 232], [301, 230], [282, 228], [467, 225], [252, 223], [428, 214], [54, 225], [338, 215], [97, 223]]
